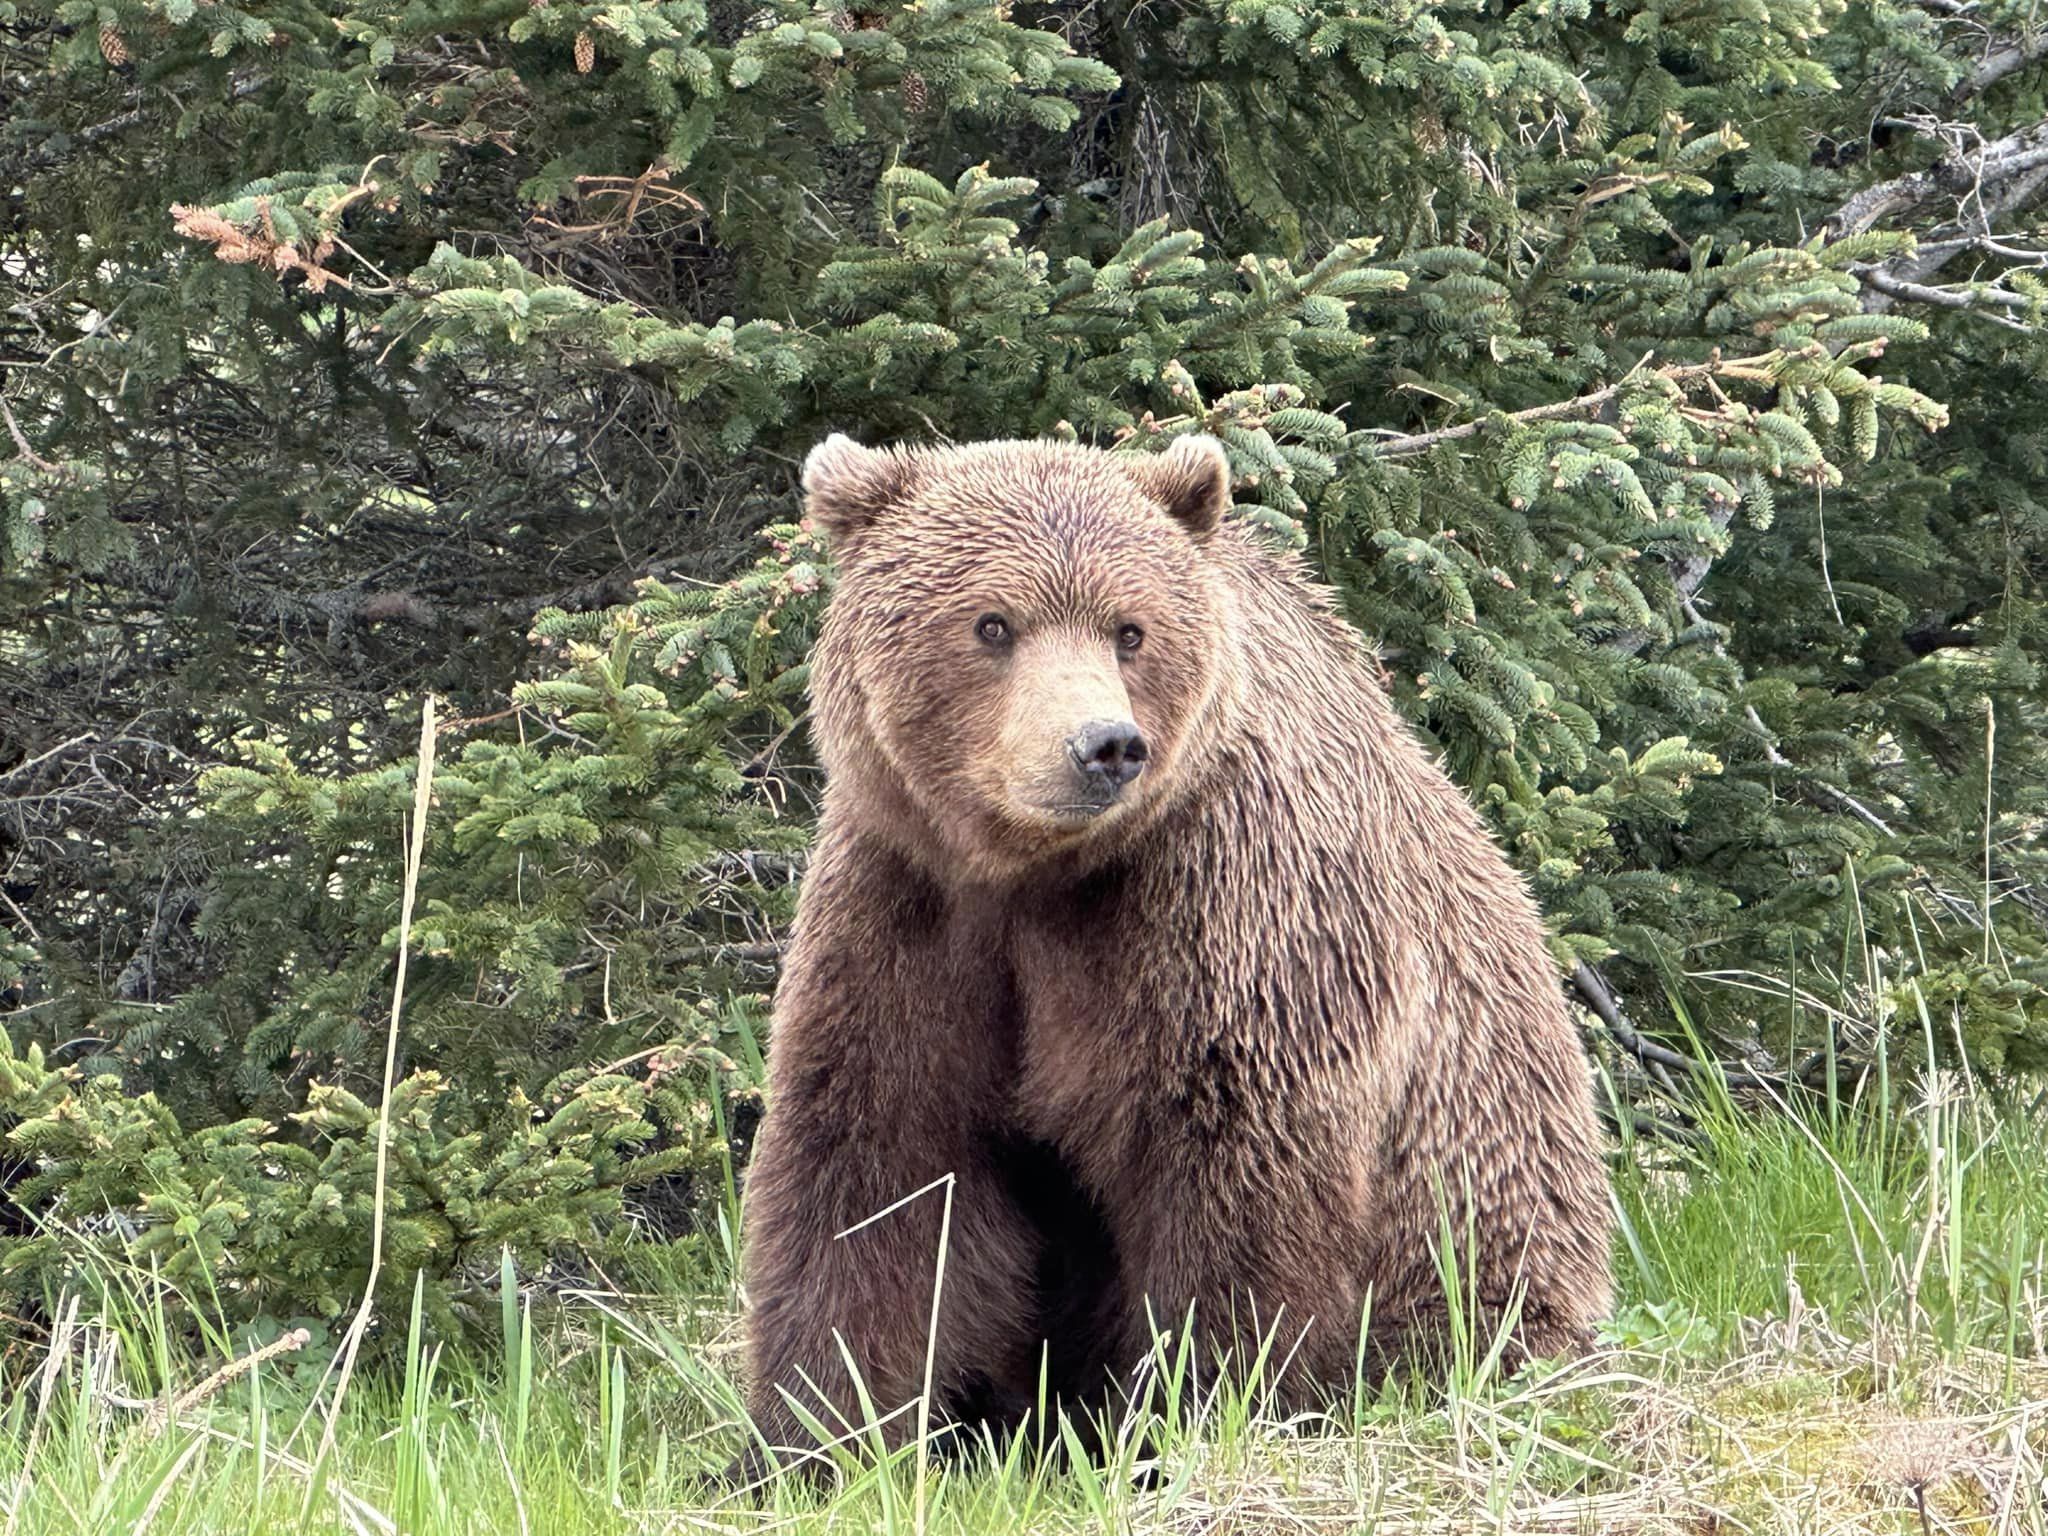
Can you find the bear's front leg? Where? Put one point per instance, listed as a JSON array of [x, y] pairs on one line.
[[885, 1067], [1262, 1255]]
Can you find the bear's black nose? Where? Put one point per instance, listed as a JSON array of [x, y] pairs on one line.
[[1109, 753]]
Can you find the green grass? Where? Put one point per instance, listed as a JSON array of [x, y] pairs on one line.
[[1830, 1322]]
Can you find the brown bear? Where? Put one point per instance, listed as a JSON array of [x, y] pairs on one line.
[[1138, 912]]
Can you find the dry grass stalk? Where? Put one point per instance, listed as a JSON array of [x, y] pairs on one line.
[[423, 786]]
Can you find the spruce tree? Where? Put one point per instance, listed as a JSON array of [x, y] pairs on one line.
[[1658, 385]]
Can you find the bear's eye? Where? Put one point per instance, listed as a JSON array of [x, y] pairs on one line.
[[992, 628], [1129, 638]]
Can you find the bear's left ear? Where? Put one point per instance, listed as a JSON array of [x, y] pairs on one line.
[[846, 486], [1191, 480]]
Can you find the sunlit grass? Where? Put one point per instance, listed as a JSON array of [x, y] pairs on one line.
[[1830, 1322]]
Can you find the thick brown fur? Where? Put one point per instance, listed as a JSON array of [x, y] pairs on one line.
[[1246, 1041]]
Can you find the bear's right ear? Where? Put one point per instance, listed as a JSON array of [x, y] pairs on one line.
[[846, 486], [1191, 480]]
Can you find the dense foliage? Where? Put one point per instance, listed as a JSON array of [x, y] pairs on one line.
[[1659, 384]]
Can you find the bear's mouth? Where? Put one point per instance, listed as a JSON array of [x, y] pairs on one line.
[[1075, 815], [1071, 808]]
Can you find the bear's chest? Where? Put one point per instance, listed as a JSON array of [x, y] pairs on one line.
[[1083, 983]]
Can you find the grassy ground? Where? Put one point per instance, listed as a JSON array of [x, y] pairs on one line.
[[1830, 1324]]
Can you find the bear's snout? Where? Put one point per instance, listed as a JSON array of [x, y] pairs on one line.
[[1107, 754]]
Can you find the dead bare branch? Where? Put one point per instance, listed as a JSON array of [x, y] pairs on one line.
[[1963, 174], [1752, 368], [2007, 59], [22, 444], [1973, 298]]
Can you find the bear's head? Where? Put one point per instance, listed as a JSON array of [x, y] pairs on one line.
[[1028, 643]]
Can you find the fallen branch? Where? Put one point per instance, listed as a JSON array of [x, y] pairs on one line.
[[1593, 990], [1642, 1123]]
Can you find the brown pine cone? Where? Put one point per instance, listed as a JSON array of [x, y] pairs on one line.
[[113, 47], [586, 53], [915, 92]]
